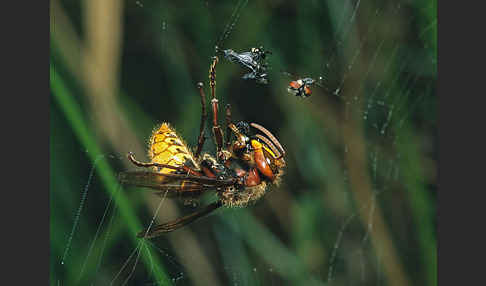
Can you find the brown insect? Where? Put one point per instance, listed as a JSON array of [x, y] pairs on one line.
[[248, 160], [301, 87]]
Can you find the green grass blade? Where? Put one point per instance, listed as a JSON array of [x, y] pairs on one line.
[[263, 242], [422, 205], [74, 115]]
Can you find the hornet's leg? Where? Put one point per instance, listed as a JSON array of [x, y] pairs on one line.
[[202, 138], [178, 223], [217, 132], [182, 169], [228, 129]]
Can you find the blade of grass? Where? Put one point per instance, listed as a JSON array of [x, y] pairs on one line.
[[421, 204], [287, 264], [74, 115]]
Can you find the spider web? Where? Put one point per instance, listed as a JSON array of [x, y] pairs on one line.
[[357, 203]]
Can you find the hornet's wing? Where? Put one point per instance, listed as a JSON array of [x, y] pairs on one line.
[[173, 185]]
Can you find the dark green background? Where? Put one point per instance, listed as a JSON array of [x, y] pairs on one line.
[[357, 205]]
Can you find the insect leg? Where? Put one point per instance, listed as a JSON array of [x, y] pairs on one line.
[[228, 122], [178, 223], [217, 132], [182, 169], [202, 138]]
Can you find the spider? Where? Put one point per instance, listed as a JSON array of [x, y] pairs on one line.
[[248, 160]]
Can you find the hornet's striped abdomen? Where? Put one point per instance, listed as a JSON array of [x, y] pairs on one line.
[[166, 147]]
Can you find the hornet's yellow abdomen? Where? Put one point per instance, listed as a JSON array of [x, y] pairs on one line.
[[166, 147]]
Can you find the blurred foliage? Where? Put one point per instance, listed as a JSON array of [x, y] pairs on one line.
[[358, 202]]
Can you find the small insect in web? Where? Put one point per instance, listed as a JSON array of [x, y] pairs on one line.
[[301, 86], [254, 60], [246, 162]]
